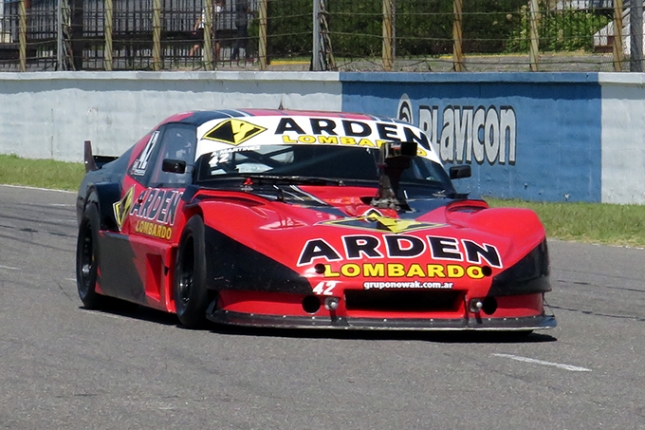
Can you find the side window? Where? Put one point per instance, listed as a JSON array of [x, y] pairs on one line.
[[177, 142], [141, 165]]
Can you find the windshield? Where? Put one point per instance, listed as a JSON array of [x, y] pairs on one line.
[[339, 163]]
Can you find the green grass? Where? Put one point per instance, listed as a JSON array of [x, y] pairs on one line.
[[582, 222], [588, 222], [40, 173]]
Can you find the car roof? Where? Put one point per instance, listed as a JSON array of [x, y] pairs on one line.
[[198, 117]]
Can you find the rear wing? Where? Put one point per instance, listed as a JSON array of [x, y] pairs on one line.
[[94, 162]]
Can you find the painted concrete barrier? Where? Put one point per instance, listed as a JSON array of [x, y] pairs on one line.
[[534, 136], [50, 115], [527, 136]]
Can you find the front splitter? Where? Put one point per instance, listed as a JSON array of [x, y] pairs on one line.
[[540, 322]]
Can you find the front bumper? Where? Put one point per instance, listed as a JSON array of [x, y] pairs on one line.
[[540, 322]]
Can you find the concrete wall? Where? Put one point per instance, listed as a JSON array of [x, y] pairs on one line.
[[536, 136], [49, 115], [623, 137]]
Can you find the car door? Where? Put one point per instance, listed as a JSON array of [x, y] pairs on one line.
[[151, 202]]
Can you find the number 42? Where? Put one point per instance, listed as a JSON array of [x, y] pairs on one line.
[[325, 288]]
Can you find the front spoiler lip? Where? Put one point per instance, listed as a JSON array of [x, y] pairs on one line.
[[540, 322]]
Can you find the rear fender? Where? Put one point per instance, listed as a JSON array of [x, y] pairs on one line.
[[104, 195]]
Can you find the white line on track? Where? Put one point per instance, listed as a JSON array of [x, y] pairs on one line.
[[544, 363], [36, 188], [9, 267]]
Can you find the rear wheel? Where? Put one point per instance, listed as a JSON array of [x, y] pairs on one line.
[[190, 294], [87, 258]]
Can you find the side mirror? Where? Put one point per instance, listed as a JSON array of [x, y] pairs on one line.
[[461, 171], [173, 166]]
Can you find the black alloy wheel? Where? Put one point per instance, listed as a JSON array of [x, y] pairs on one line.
[[190, 293], [87, 258]]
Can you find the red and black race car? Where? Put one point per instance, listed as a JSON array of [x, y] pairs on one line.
[[304, 219]]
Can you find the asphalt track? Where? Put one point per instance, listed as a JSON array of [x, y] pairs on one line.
[[62, 366]]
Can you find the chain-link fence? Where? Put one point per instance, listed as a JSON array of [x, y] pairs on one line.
[[347, 35]]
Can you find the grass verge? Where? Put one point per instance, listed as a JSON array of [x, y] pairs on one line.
[[583, 222], [588, 222], [40, 173]]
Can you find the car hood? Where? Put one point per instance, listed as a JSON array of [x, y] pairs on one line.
[[308, 225]]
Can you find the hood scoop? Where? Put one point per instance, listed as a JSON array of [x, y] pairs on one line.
[[468, 205]]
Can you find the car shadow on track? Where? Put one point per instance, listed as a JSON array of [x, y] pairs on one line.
[[436, 337], [140, 313], [133, 311]]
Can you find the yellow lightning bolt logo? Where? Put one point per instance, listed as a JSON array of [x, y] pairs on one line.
[[375, 221], [233, 131], [397, 225], [122, 207]]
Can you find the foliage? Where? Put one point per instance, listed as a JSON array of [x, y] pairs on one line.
[[558, 30], [290, 27], [422, 27], [487, 24], [425, 27], [355, 27]]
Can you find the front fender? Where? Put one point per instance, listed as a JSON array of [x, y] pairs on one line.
[[231, 265], [105, 195]]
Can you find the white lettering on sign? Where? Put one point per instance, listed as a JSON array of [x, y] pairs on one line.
[[463, 134]]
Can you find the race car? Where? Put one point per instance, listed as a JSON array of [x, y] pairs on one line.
[[300, 219]]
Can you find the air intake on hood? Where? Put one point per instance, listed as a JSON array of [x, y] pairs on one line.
[[467, 205]]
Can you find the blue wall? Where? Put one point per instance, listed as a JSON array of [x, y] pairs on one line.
[[527, 136], [549, 136]]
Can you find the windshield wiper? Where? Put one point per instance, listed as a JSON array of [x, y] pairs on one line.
[[293, 179]]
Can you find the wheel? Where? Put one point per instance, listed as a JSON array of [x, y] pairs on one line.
[[87, 258], [190, 294]]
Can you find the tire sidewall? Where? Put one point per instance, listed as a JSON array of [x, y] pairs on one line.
[[87, 285], [193, 313]]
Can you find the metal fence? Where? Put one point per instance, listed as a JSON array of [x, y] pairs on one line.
[[348, 35]]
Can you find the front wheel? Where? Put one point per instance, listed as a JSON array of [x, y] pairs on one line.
[[190, 294], [87, 258]]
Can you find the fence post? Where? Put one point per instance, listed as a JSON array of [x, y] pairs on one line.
[[316, 59], [534, 49], [77, 26], [59, 35], [207, 17], [64, 54], [636, 36], [618, 35], [107, 56], [22, 37], [388, 34], [457, 56], [262, 43], [156, 35]]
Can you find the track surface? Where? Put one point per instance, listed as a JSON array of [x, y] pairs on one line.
[[62, 366]]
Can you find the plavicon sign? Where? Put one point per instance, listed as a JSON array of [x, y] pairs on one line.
[[466, 134]]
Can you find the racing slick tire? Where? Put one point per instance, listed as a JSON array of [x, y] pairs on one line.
[[87, 258], [189, 286]]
